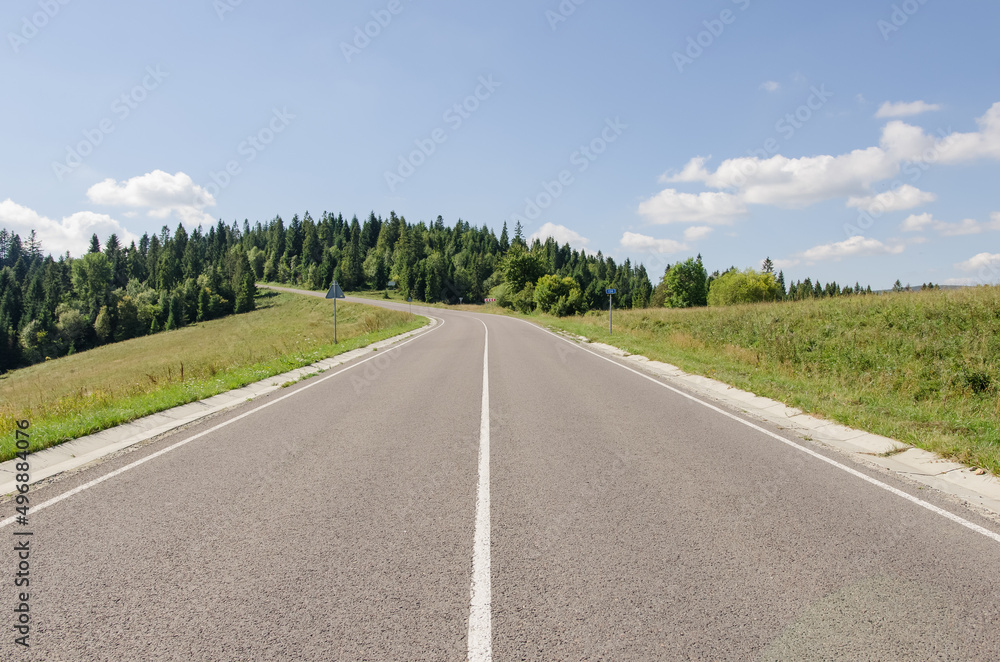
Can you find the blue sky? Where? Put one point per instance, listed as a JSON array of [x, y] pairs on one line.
[[847, 141]]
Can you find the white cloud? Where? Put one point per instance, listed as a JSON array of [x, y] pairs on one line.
[[561, 234], [697, 232], [161, 193], [72, 233], [964, 227], [786, 264], [645, 244], [770, 86], [905, 109], [800, 182], [694, 171], [968, 226], [905, 142], [670, 206], [899, 199], [986, 262], [985, 143], [917, 223], [853, 247]]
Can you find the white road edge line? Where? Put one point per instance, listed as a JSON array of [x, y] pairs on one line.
[[854, 472], [481, 592], [127, 467]]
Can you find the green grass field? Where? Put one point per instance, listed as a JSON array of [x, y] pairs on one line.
[[114, 384], [921, 367]]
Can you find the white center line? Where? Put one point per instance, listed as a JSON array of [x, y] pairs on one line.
[[480, 607]]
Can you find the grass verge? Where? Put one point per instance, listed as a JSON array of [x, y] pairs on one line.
[[923, 367], [91, 391]]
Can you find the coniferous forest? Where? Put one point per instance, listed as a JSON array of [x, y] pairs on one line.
[[53, 306]]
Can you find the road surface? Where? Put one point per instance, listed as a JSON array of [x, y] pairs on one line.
[[573, 509]]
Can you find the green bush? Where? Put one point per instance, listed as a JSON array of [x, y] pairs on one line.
[[735, 287], [683, 286], [524, 301], [560, 296]]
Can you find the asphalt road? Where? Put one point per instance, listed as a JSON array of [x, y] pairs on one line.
[[337, 520]]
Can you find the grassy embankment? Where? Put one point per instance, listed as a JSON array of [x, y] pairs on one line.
[[110, 385], [920, 367]]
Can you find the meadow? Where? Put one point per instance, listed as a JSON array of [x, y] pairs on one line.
[[920, 367], [94, 390]]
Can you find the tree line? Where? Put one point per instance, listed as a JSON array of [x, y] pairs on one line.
[[53, 306], [50, 306], [688, 284]]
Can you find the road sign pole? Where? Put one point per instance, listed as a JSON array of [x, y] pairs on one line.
[[611, 292], [335, 293]]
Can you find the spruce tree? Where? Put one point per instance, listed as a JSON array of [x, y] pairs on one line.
[[245, 295]]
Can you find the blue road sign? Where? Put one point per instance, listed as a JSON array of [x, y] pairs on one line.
[[610, 291]]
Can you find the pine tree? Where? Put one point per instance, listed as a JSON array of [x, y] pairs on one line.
[[111, 247], [768, 266], [5, 238], [642, 289], [245, 295], [204, 305], [95, 244], [172, 321], [34, 245]]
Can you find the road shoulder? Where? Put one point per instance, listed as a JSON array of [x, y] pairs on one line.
[[76, 453], [978, 491]]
